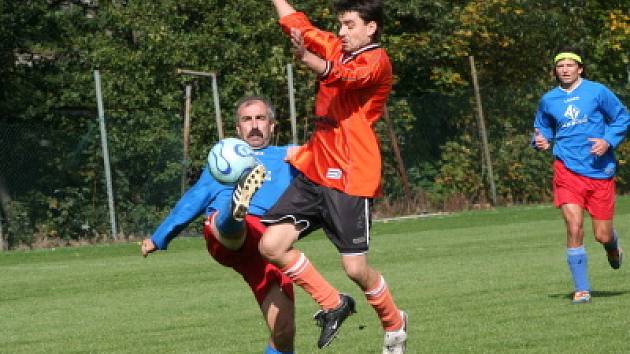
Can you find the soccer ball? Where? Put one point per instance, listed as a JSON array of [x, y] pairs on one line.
[[229, 159]]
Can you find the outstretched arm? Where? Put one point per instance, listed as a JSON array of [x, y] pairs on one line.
[[191, 205], [310, 59], [283, 8]]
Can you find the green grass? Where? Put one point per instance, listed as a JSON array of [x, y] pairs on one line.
[[484, 281]]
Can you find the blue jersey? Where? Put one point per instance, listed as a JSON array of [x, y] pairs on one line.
[[569, 118], [207, 195]]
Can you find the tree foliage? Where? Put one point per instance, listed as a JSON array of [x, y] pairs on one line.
[[51, 48]]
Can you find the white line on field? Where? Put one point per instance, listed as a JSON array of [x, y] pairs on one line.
[[416, 216]]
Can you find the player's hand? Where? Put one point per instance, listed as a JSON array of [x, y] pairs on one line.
[[600, 146], [147, 247], [541, 142], [298, 43]]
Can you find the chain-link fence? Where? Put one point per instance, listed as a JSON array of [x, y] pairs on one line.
[[53, 187], [52, 180]]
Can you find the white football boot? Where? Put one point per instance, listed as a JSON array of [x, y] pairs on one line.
[[245, 189], [395, 341]]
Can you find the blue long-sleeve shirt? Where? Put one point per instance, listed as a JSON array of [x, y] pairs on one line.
[[207, 195], [569, 118]]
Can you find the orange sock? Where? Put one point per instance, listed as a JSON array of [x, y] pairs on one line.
[[381, 300], [302, 272]]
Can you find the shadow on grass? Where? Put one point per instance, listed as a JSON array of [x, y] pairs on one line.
[[594, 293]]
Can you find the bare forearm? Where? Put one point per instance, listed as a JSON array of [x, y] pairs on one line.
[[313, 62], [283, 8]]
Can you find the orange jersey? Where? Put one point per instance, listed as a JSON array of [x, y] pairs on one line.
[[343, 153]]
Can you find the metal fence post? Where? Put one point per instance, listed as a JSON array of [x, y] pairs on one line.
[[482, 131], [108, 174]]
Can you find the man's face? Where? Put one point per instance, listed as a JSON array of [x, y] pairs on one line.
[[253, 125], [354, 32], [568, 72]]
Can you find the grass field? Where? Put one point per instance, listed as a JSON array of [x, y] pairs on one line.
[[485, 281]]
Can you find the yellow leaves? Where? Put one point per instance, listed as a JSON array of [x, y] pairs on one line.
[[447, 76], [463, 33], [480, 21], [505, 42], [619, 21], [619, 26], [477, 12]]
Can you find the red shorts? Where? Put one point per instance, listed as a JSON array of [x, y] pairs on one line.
[[247, 261], [597, 196]]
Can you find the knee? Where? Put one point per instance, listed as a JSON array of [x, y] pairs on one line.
[[276, 242], [356, 272], [574, 230], [603, 237], [268, 250]]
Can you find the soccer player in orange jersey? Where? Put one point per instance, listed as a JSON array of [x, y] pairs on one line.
[[340, 165]]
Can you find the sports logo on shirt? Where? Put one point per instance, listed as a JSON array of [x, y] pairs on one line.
[[573, 114], [333, 173], [571, 99]]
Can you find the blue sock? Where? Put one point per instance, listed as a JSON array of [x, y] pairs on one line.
[[612, 244], [270, 350], [225, 221], [578, 264]]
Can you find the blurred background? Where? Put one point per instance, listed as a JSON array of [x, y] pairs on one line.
[[53, 183]]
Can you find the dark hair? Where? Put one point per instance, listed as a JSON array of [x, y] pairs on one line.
[[574, 50], [247, 100], [368, 10]]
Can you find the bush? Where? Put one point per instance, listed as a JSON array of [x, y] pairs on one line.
[[20, 228], [460, 172]]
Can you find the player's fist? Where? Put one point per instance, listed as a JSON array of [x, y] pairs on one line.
[[298, 43], [540, 141], [147, 247], [600, 146]]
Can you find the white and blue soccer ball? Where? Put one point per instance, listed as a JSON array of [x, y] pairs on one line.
[[229, 159]]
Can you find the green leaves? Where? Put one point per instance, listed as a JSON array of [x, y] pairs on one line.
[[50, 49]]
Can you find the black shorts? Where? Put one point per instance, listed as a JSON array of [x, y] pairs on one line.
[[345, 219]]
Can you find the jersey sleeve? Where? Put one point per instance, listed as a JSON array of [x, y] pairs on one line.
[[618, 117], [372, 70], [191, 205], [315, 40], [544, 123]]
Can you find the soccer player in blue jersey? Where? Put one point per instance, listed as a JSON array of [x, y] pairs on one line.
[[231, 237], [584, 122]]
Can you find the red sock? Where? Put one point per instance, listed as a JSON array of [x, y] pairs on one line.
[[302, 272], [381, 300]]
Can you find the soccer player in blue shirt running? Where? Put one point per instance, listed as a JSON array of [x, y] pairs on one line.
[[231, 237], [585, 122]]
